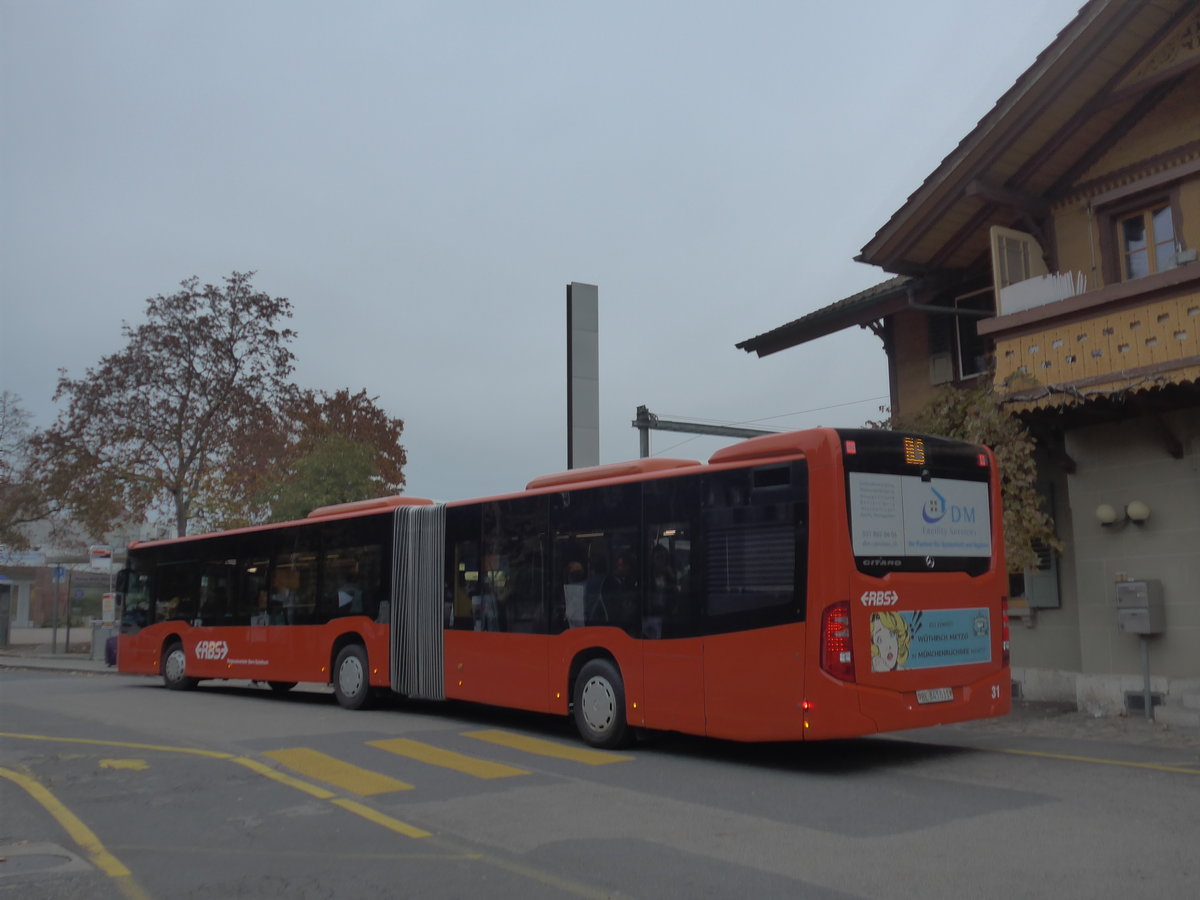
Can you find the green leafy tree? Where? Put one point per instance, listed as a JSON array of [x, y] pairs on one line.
[[155, 427], [316, 449], [976, 414], [335, 469]]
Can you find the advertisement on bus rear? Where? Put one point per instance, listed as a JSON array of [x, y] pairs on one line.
[[929, 638], [902, 515]]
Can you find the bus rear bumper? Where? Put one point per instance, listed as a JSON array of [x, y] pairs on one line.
[[879, 711]]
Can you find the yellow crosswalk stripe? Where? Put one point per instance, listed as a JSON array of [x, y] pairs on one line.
[[447, 759], [374, 815], [547, 748], [333, 771]]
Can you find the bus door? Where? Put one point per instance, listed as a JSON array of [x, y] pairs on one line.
[[755, 575], [496, 619], [672, 649]]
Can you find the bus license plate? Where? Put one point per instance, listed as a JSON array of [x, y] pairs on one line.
[[935, 695]]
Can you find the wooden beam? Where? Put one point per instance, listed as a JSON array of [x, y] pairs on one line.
[[1036, 207]]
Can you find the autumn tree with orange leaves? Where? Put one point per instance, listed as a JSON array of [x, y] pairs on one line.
[[196, 420]]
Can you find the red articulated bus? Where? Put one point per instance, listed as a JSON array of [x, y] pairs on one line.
[[816, 584]]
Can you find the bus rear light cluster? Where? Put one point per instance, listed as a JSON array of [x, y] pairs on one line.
[[837, 652]]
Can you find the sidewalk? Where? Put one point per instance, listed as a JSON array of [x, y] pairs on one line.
[[31, 648], [41, 648]]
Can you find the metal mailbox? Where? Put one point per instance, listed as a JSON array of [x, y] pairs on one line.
[[1140, 607]]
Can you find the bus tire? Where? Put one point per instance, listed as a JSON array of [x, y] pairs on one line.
[[174, 669], [281, 687], [351, 681], [599, 705]]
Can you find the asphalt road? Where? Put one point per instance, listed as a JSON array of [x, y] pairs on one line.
[[114, 787]]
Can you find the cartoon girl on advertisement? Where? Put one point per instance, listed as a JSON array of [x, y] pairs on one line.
[[890, 641]]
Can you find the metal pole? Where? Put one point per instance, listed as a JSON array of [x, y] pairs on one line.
[[67, 639], [1146, 676], [647, 420], [54, 608], [642, 424]]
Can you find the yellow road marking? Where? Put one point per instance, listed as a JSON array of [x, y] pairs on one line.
[[447, 759], [333, 771], [359, 809], [211, 754], [558, 882], [379, 818], [80, 834], [547, 748], [136, 765], [1158, 767], [255, 766]]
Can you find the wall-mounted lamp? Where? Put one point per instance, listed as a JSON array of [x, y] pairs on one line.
[[1135, 511]]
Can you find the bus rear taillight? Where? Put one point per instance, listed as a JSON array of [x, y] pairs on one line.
[[837, 657], [1005, 635]]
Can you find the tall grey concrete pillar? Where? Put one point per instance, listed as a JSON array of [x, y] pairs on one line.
[[583, 375]]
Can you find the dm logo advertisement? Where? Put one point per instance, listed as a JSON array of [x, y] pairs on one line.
[[934, 509], [947, 518], [903, 515]]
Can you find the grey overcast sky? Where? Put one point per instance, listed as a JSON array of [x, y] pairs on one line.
[[422, 178]]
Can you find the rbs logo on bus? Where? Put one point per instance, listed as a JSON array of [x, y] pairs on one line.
[[936, 508], [212, 650]]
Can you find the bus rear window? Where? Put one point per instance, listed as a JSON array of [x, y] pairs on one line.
[[923, 510]]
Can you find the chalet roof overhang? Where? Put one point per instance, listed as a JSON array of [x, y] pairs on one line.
[[867, 309], [864, 309], [1093, 82], [1147, 402]]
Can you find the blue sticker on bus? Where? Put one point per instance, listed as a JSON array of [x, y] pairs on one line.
[[927, 639]]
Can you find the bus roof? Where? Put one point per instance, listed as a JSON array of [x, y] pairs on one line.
[[610, 470], [376, 504]]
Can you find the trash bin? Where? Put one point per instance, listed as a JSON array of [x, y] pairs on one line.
[[100, 635]]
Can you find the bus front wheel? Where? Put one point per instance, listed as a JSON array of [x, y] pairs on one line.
[[351, 683], [599, 705], [174, 669]]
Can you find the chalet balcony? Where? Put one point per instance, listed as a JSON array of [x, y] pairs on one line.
[[1132, 335]]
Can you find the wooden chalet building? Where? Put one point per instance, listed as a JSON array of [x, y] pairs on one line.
[[1054, 252]]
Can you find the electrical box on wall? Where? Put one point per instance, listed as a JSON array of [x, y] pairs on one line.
[[1140, 607]]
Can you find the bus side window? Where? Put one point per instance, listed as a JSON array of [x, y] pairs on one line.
[[512, 573], [135, 611], [594, 566], [671, 585], [669, 608], [254, 597], [178, 591], [294, 588], [351, 582]]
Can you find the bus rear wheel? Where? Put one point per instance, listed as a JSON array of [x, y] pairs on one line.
[[174, 669], [599, 705], [351, 683]]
